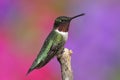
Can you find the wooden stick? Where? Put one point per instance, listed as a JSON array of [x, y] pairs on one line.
[[65, 63]]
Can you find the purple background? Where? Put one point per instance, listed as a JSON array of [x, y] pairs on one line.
[[94, 38]]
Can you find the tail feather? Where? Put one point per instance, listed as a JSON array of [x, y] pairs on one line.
[[41, 63], [34, 65], [30, 70]]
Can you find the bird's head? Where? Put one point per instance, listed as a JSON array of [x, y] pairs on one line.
[[62, 23]]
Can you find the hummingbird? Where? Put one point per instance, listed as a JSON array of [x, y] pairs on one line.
[[54, 43]]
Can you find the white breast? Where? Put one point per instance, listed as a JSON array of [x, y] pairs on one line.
[[64, 34]]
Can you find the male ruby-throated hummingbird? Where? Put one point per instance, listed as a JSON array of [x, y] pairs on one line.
[[54, 43]]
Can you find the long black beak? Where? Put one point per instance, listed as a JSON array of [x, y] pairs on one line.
[[77, 16]]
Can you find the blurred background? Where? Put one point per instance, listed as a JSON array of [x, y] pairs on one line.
[[94, 38]]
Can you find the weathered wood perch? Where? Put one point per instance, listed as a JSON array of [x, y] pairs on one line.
[[65, 63]]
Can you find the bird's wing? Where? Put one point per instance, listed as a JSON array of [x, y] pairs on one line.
[[41, 56], [55, 49], [48, 51]]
